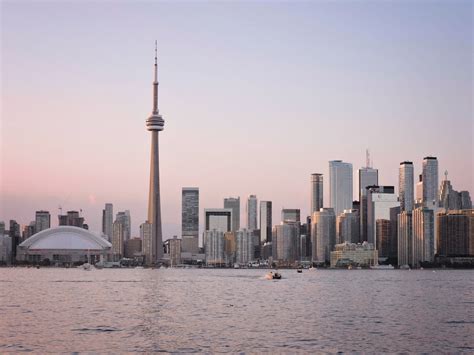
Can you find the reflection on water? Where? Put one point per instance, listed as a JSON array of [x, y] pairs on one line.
[[72, 310]]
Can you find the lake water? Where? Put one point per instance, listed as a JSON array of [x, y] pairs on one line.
[[176, 310]]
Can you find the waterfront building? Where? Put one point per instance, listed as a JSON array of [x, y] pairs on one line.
[[118, 239], [214, 247], [455, 233], [147, 242], [234, 204], [384, 235], [367, 177], [155, 124], [290, 215], [251, 212], [423, 236], [108, 220], [285, 243], [15, 237], [406, 186], [340, 186], [244, 247], [316, 192], [430, 181], [5, 249], [347, 227], [190, 220], [355, 254], [392, 252], [42, 221], [124, 218], [65, 245], [230, 248], [323, 234], [380, 200], [133, 248], [172, 249], [405, 239], [266, 221]]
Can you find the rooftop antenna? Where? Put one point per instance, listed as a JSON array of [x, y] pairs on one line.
[[367, 159], [60, 210], [445, 175]]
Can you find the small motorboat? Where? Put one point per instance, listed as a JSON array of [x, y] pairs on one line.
[[273, 276], [299, 270]]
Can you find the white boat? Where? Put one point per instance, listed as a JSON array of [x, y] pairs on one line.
[[236, 266], [87, 266]]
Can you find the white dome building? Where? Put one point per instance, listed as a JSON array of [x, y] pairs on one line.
[[64, 245]]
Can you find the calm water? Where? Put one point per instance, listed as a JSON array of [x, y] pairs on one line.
[[72, 310]]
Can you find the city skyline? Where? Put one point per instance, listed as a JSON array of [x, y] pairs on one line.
[[60, 181]]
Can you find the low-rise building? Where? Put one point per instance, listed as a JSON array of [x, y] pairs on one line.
[[345, 254]]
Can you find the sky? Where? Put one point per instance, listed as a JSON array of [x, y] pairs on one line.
[[256, 96]]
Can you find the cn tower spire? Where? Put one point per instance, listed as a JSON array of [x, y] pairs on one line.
[[155, 82]]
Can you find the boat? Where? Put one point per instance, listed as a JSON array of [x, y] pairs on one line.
[[312, 268], [299, 270], [236, 266], [273, 276], [349, 267]]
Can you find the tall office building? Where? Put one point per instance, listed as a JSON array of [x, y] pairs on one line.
[[455, 233], [147, 245], [393, 244], [15, 235], [42, 221], [316, 192], [347, 227], [190, 219], [108, 220], [118, 239], [430, 181], [244, 248], [419, 190], [234, 204], [340, 186], [405, 239], [380, 199], [367, 177], [72, 218], [406, 186], [219, 219], [214, 243], [124, 218], [251, 212], [266, 221], [290, 215], [155, 124], [423, 236], [384, 235], [285, 243], [323, 234]]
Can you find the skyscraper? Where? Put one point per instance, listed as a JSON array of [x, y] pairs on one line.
[[406, 186], [118, 239], [42, 221], [430, 181], [367, 177], [155, 124], [380, 199], [340, 186], [234, 204], [190, 219], [285, 243], [423, 235], [347, 227], [145, 236], [266, 221], [323, 234], [251, 212], [405, 239], [316, 192], [108, 220], [124, 218]]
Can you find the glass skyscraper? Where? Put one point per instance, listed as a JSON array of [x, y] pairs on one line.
[[340, 186]]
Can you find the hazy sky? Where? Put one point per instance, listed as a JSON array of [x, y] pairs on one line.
[[256, 96]]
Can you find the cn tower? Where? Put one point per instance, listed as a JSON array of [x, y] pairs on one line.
[[155, 124]]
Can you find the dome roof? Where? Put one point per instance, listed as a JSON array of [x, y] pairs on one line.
[[66, 237]]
